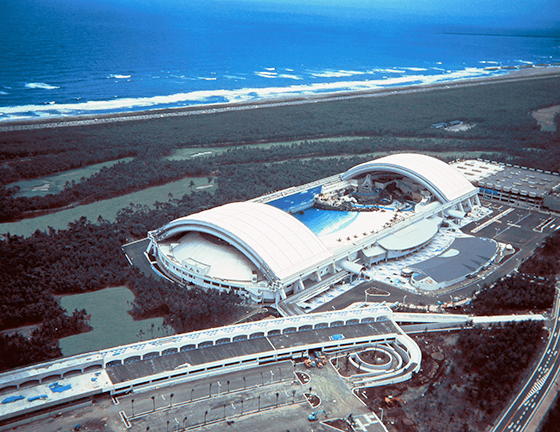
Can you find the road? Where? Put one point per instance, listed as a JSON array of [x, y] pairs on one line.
[[134, 252], [518, 415], [524, 229]]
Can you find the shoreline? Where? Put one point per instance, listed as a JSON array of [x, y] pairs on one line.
[[521, 74]]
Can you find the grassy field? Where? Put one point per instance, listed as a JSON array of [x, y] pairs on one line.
[[189, 153]]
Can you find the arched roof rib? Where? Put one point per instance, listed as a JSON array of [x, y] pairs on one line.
[[444, 181], [272, 239]]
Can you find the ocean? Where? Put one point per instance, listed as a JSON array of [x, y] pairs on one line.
[[76, 57]]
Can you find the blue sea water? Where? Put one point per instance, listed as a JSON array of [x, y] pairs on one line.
[[72, 57]]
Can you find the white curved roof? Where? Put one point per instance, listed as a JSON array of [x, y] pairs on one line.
[[224, 261], [412, 236], [264, 233], [440, 178]]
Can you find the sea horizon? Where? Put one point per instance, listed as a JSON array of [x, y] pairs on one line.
[[170, 56]]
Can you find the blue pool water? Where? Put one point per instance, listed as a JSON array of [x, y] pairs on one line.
[[295, 201], [324, 222]]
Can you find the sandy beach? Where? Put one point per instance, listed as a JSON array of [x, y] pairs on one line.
[[520, 74]]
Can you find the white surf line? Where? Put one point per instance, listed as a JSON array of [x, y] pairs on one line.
[[302, 100], [491, 221]]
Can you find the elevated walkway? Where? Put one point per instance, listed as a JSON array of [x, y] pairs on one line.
[[190, 356], [419, 322], [292, 306]]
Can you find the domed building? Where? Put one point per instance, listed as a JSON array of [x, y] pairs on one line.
[[315, 235]]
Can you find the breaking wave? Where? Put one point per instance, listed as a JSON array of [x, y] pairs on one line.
[[43, 86], [247, 94]]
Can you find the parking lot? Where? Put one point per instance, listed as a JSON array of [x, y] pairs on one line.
[[270, 398], [522, 228]]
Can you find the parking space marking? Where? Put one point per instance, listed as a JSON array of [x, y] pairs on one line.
[[491, 221]]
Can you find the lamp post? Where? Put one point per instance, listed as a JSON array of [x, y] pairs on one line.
[[381, 414], [132, 403], [171, 400], [154, 402]]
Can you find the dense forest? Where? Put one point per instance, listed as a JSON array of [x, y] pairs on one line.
[[546, 261], [552, 419], [531, 289], [386, 123], [184, 309], [42, 344], [87, 255], [495, 359], [143, 172], [514, 294], [467, 389]]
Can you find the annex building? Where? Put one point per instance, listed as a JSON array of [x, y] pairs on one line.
[[318, 234], [513, 184]]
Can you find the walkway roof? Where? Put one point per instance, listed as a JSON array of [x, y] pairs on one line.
[[412, 236]]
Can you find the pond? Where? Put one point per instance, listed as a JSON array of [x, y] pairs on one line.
[[54, 184], [112, 325], [107, 208]]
